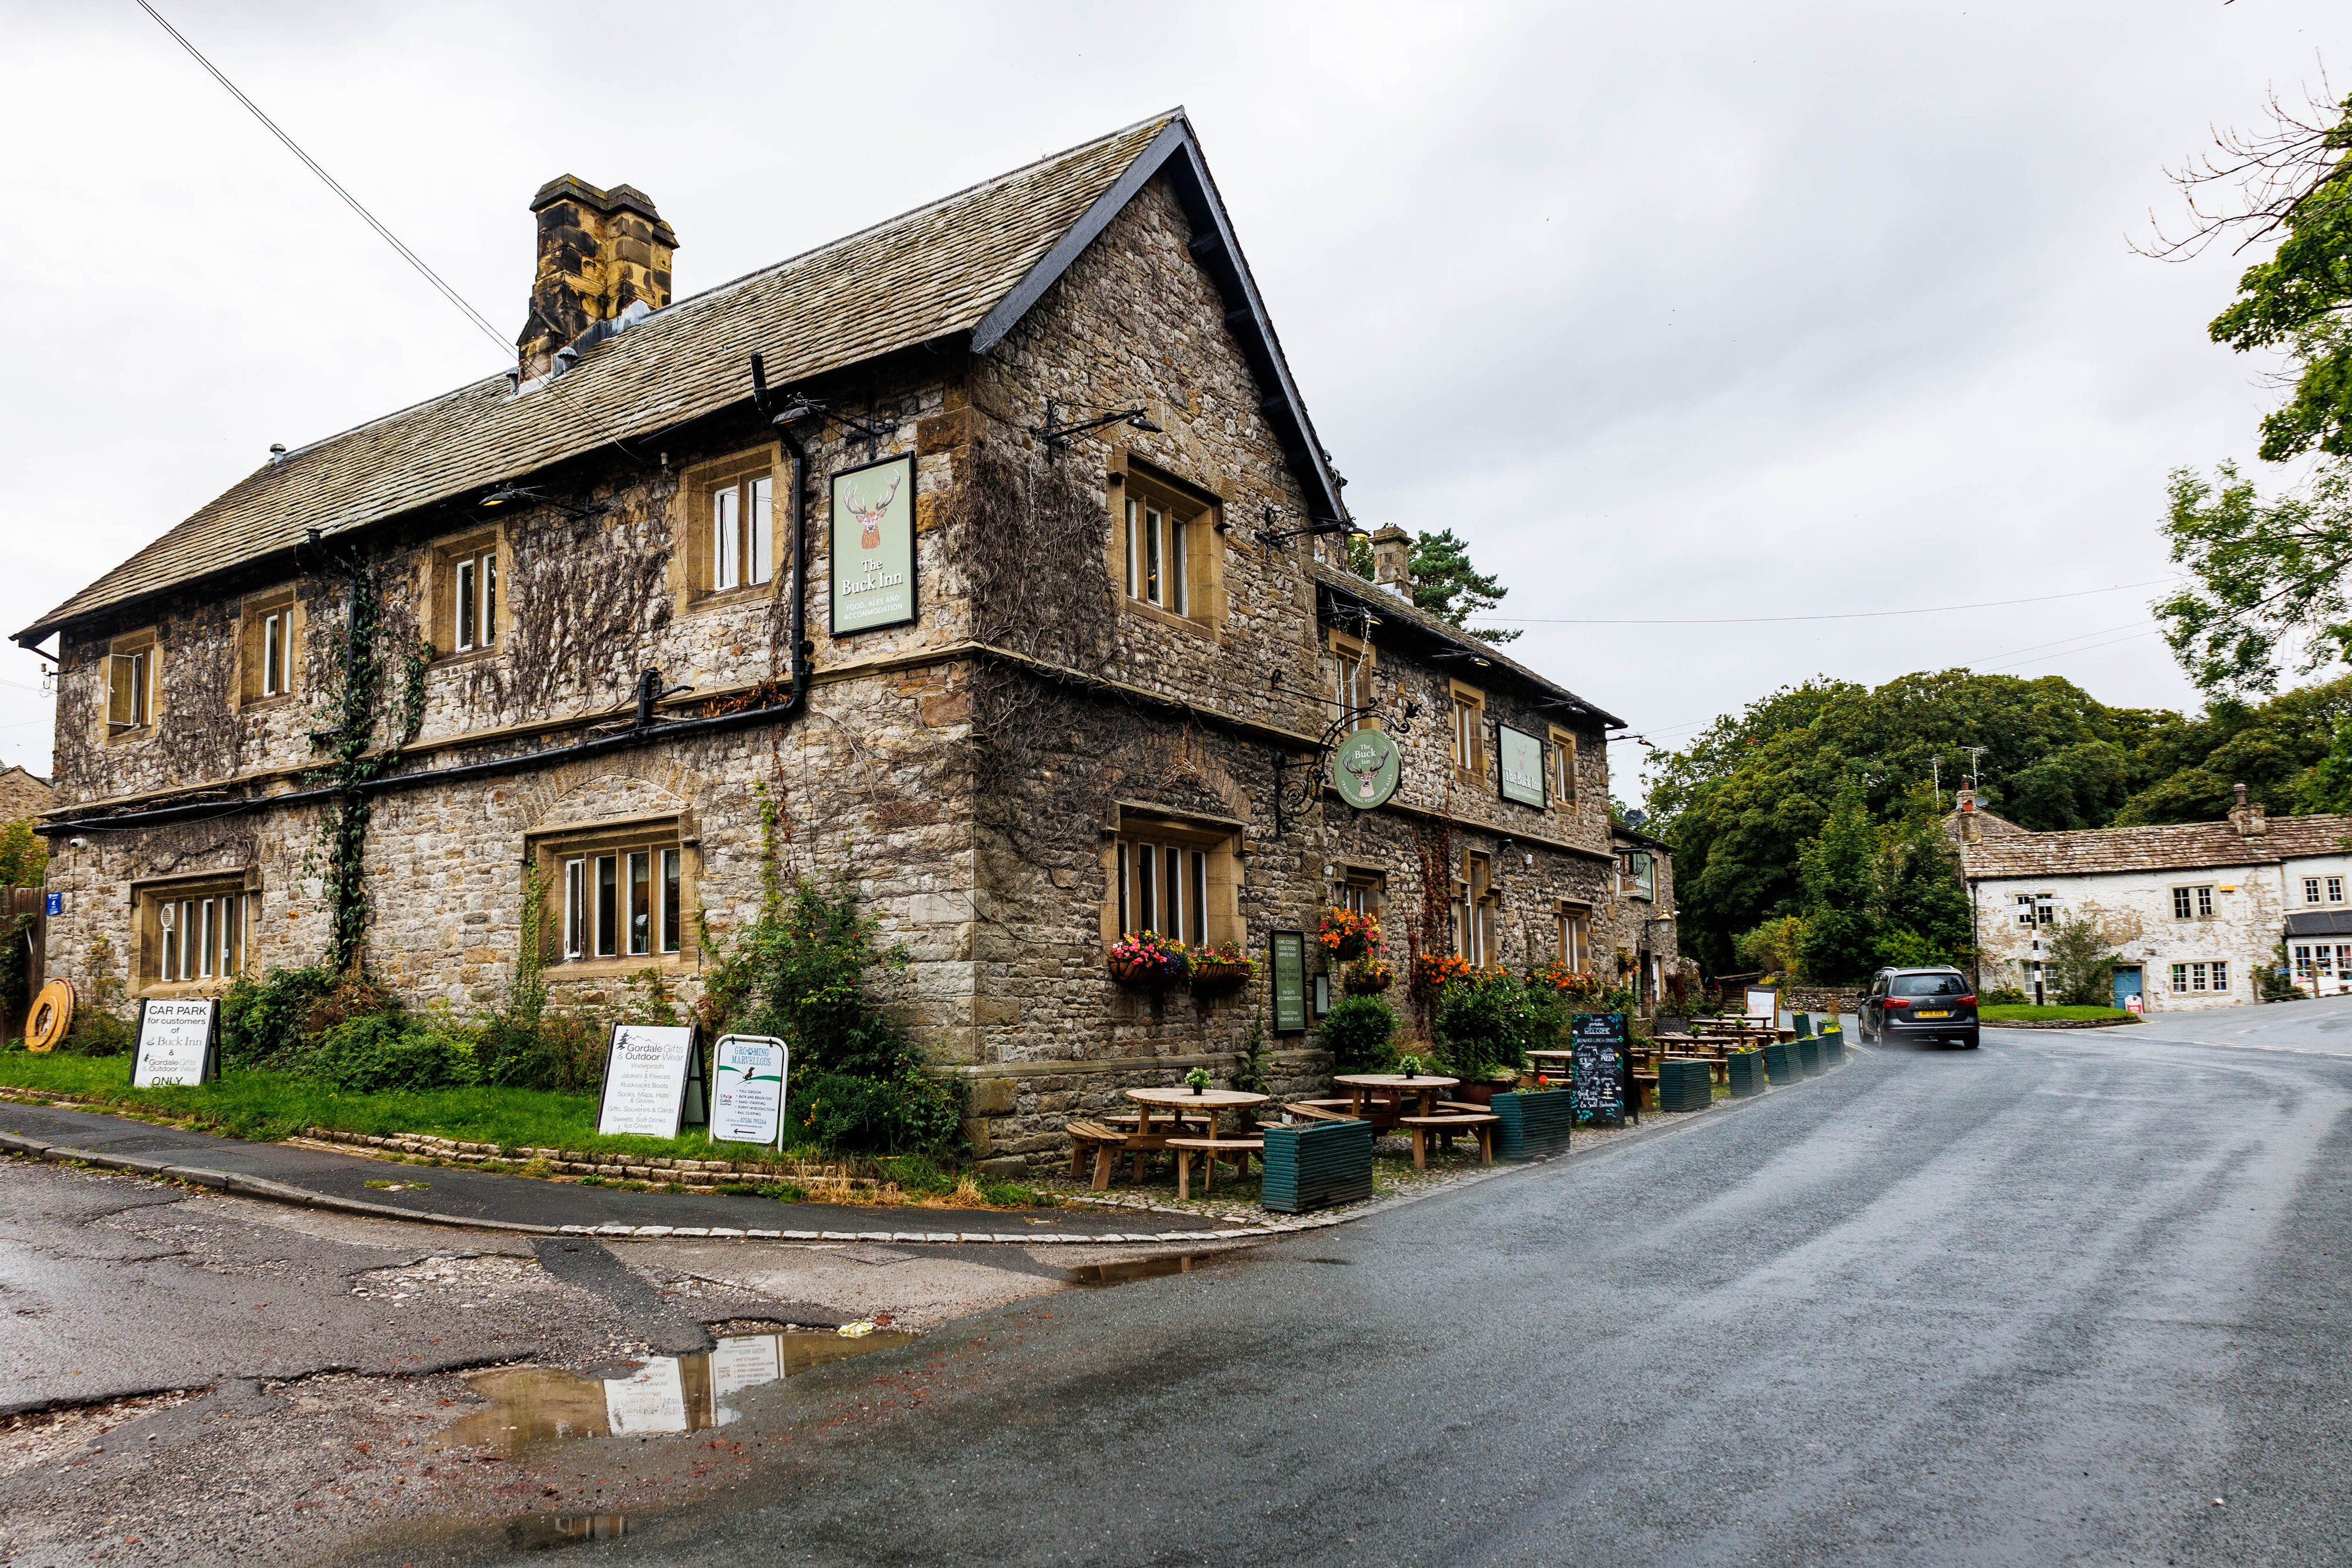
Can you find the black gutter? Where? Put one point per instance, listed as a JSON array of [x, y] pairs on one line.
[[644, 732]]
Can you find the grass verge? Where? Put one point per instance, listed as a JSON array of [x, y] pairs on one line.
[[2028, 1013]]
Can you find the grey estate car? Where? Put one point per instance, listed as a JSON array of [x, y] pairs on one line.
[[1923, 1007]]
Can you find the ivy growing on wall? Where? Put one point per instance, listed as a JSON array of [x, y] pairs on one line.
[[353, 699]]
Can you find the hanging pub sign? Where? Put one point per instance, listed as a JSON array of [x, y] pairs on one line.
[[179, 1042], [1523, 766], [1599, 1040], [1365, 767], [653, 1082], [1287, 951], [873, 560], [746, 1089]]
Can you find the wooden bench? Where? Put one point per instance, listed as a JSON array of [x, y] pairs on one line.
[[1645, 1092], [1316, 1111], [1210, 1149], [1483, 1123], [1103, 1141]]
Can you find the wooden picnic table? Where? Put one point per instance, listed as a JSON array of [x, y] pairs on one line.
[[1362, 1085], [1179, 1101]]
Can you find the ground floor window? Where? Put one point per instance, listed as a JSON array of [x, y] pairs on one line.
[[2313, 959], [194, 933], [623, 903], [1173, 878], [2206, 977], [1474, 911], [1363, 892]]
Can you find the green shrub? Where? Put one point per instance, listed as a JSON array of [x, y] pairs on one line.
[[2003, 997], [1484, 1024], [379, 1053], [561, 1051], [1356, 1031], [97, 1033], [264, 1023]]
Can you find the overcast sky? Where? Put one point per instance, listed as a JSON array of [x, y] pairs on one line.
[[1707, 310]]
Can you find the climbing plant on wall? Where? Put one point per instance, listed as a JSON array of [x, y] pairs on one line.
[[352, 702]]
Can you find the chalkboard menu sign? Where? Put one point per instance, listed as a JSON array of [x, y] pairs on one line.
[[1288, 951], [653, 1082], [1600, 1066]]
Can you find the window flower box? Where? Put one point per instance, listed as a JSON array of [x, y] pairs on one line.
[[1147, 961], [1221, 970]]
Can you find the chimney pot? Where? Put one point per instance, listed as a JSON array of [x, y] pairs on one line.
[[1393, 561], [277, 453], [2249, 818], [599, 251]]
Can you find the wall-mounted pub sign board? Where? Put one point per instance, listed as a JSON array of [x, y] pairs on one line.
[[1287, 953], [746, 1089], [1365, 767], [1598, 1041], [873, 558], [653, 1082], [179, 1042], [1523, 766]]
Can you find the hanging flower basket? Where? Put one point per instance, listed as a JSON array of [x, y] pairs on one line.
[[1367, 976], [1433, 972], [1146, 961], [1220, 970], [1348, 935]]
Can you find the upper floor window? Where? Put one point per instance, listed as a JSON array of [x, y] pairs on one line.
[[2311, 890], [2335, 890], [131, 682], [465, 595], [2037, 909], [1469, 731], [1563, 767], [729, 523], [1164, 547], [1351, 680], [266, 647], [1574, 932], [2192, 903], [1157, 544]]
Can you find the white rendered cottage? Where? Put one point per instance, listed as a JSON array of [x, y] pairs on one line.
[[2192, 910]]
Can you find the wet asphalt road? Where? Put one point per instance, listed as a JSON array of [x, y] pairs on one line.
[[2044, 1303]]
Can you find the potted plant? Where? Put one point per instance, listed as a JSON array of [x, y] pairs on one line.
[[1367, 976], [1147, 961], [1221, 969], [1486, 1024], [1349, 934], [1411, 1066], [1197, 1079]]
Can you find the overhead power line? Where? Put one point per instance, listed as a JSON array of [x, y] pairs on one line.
[[1845, 615], [506, 349]]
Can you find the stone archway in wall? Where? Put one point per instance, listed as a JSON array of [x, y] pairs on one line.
[[584, 794]]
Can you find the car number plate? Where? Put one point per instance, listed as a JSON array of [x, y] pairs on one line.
[[1939, 1013]]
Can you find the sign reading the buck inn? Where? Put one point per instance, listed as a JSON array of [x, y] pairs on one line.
[[874, 546], [1364, 768], [1523, 769]]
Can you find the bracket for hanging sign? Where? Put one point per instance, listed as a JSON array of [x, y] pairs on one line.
[[179, 1042], [749, 1072], [1294, 791], [654, 1082]]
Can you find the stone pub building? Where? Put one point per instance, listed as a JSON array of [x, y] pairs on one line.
[[1009, 585]]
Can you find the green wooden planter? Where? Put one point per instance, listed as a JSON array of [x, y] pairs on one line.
[[1535, 1121], [1684, 1086], [1316, 1164], [1780, 1061], [1746, 1073], [1833, 1048], [1808, 1057]]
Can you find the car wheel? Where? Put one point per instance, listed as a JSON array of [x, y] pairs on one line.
[[1971, 1044]]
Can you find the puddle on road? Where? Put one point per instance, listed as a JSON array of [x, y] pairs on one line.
[[1134, 1269], [533, 1405], [546, 1531]]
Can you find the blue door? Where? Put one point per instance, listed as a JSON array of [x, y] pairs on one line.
[[2127, 983]]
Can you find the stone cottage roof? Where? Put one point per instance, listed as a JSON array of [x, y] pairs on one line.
[[2178, 847], [971, 263], [1458, 647]]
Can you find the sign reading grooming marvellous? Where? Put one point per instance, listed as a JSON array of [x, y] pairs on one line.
[[1523, 766], [746, 1089], [653, 1082], [873, 563], [1364, 768], [176, 1043]]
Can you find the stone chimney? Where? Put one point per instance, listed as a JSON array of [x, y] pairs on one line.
[[599, 251], [2248, 816], [1971, 825], [1393, 561]]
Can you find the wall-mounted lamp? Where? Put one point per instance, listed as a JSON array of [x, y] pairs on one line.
[[1058, 435], [510, 493]]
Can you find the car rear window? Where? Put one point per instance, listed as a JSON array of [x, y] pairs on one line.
[[1929, 986]]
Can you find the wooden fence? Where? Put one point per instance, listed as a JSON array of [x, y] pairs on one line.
[[25, 953]]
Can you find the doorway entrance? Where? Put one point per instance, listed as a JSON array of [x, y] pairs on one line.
[[2127, 985]]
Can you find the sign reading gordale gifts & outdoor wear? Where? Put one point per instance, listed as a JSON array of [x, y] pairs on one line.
[[1523, 766], [178, 1042], [873, 558], [653, 1082], [1365, 767]]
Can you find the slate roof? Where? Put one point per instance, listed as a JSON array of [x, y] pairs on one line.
[[1391, 606], [2320, 923], [2183, 846], [971, 262]]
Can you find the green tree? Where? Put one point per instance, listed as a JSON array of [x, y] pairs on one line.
[[1447, 586], [2084, 963], [1838, 869], [2266, 578], [1775, 947], [24, 855], [1921, 915]]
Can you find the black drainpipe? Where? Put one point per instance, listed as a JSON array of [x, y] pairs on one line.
[[643, 732]]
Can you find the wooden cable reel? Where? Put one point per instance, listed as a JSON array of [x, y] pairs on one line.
[[51, 1016]]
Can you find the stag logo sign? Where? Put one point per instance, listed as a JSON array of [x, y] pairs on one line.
[[1364, 768], [1523, 767], [873, 562]]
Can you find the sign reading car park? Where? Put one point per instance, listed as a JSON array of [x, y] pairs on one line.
[[178, 1042], [653, 1082]]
